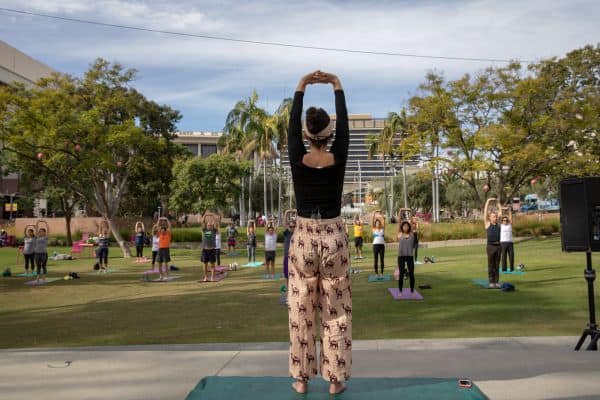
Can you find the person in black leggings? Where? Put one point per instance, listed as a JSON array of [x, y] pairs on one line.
[[415, 231], [492, 228], [378, 245], [318, 254], [406, 242]]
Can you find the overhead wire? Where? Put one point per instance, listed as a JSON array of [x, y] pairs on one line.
[[262, 42]]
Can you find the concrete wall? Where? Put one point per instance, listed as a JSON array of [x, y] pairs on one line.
[[16, 66], [57, 225]]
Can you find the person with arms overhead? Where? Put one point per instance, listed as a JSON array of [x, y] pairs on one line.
[[319, 255]]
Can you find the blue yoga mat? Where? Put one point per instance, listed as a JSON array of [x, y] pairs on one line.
[[484, 283], [384, 278], [277, 388], [254, 264]]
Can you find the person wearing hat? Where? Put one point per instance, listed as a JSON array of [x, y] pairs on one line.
[[319, 255]]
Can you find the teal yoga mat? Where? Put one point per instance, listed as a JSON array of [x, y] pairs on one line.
[[484, 283], [24, 275], [268, 277], [384, 278], [278, 388], [254, 264], [515, 272]]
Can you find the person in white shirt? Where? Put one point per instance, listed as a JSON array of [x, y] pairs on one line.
[[270, 247], [506, 242], [155, 239], [378, 245], [218, 246]]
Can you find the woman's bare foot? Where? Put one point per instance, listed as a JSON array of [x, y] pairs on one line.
[[300, 386], [336, 388]]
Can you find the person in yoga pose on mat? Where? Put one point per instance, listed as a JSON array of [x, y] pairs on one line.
[[270, 250], [492, 229], [251, 243], [28, 251], [378, 244], [358, 238], [414, 227], [319, 255], [209, 252], [506, 242], [41, 254], [406, 245]]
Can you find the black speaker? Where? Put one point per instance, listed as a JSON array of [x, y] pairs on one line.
[[580, 214]]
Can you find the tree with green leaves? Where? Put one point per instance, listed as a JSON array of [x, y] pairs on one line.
[[86, 135], [211, 183]]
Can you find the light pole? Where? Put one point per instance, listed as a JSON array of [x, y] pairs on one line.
[[12, 195]]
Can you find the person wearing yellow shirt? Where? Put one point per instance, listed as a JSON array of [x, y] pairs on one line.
[[358, 237]]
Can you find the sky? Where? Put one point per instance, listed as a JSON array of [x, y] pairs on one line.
[[203, 78]]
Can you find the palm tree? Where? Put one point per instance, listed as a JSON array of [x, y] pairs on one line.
[[282, 122], [398, 123], [242, 128], [261, 143], [384, 145]]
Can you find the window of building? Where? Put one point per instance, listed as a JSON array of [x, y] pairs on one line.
[[192, 148], [208, 149]]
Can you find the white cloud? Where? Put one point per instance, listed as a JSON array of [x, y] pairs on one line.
[[200, 73]]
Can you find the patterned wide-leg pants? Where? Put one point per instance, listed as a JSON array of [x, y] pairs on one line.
[[319, 283]]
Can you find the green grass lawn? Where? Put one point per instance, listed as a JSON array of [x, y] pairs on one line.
[[119, 309]]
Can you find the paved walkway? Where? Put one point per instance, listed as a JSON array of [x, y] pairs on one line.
[[504, 368]]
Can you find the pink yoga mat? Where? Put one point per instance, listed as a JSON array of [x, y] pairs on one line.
[[406, 294], [218, 277], [221, 268]]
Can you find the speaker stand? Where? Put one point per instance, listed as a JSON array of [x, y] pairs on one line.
[[592, 328]]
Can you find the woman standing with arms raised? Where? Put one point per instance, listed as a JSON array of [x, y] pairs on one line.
[[319, 256]]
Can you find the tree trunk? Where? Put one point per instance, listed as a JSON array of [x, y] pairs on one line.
[[271, 192], [250, 211], [385, 199], [67, 210], [265, 210], [404, 183], [279, 197], [122, 243], [68, 217], [242, 217]]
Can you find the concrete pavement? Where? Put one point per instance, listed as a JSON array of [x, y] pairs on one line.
[[504, 368]]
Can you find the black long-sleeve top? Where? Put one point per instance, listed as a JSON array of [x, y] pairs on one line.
[[318, 190]]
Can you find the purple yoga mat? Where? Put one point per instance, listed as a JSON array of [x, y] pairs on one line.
[[218, 277], [151, 271], [406, 294], [168, 279], [221, 268]]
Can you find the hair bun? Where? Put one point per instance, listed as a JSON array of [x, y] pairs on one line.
[[317, 119]]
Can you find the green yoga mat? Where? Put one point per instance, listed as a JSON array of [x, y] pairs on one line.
[[384, 278], [279, 388]]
